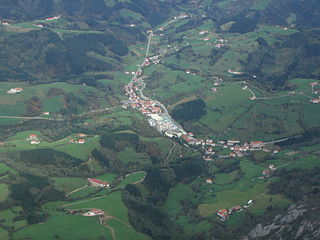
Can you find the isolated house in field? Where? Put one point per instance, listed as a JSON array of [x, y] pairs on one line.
[[98, 183]]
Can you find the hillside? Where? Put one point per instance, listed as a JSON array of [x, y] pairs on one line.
[[159, 119], [90, 36]]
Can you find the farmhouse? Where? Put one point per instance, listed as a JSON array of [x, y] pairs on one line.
[[98, 183], [222, 214], [94, 212], [256, 145], [33, 137], [234, 72], [81, 141], [53, 18], [209, 180], [272, 167], [267, 173], [35, 142], [235, 209], [14, 90], [46, 113], [315, 100], [81, 135]]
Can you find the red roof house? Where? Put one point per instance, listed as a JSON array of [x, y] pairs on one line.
[[223, 214], [98, 183]]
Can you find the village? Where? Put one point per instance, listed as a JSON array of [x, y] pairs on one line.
[[159, 118]]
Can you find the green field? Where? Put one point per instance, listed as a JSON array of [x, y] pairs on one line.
[[132, 179], [7, 218], [68, 184], [128, 155], [113, 206], [81, 151], [108, 177], [14, 105], [176, 194], [67, 227], [18, 142]]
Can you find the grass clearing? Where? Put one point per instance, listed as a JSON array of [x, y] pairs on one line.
[[230, 198], [128, 155], [108, 177], [81, 151], [62, 226], [67, 184], [176, 194], [132, 179]]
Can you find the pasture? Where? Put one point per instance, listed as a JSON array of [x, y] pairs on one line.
[[68, 184], [128, 155], [15, 104], [8, 216], [112, 205], [19, 142], [62, 226]]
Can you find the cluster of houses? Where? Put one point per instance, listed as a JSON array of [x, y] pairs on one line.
[[98, 183], [79, 139], [224, 214], [156, 115], [33, 138], [237, 149], [159, 119], [14, 90]]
